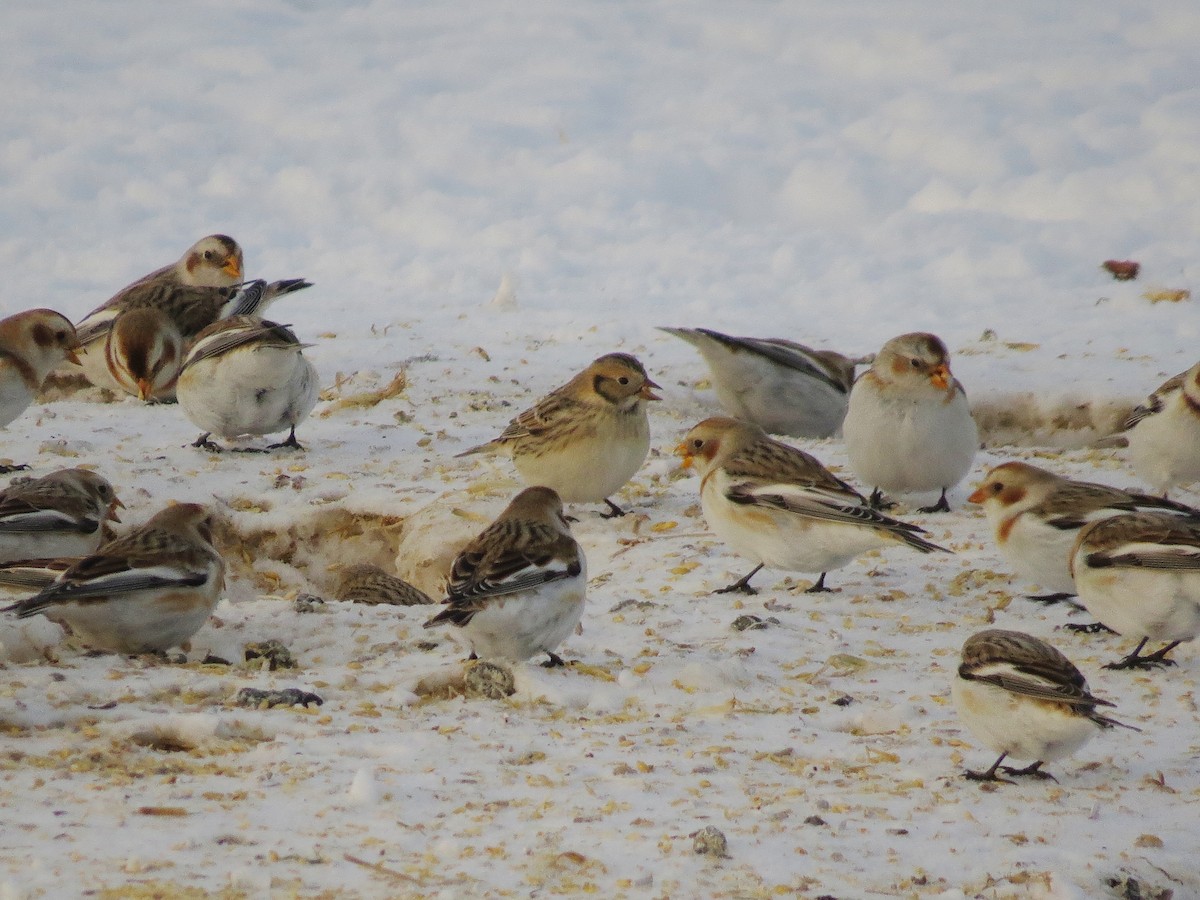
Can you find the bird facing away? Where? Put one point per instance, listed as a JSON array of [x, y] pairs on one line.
[[587, 438], [1023, 698], [57, 515], [32, 344], [144, 592], [908, 427], [1036, 516], [247, 376], [1139, 574], [518, 589], [1164, 433], [781, 507], [781, 386]]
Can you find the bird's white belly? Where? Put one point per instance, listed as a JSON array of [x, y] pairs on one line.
[[1022, 727]]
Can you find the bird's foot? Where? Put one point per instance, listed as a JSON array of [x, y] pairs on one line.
[[1089, 628], [941, 506], [614, 511], [555, 661]]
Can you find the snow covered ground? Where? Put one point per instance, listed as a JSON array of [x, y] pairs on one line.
[[487, 196]]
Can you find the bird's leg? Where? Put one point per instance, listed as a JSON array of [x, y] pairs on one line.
[[819, 587], [205, 444], [1134, 661], [941, 506], [614, 511], [742, 585], [878, 501], [291, 442], [554, 661], [1033, 771], [990, 774]]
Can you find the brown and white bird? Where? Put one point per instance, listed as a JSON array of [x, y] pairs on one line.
[[144, 352], [1023, 698], [781, 386], [60, 514], [781, 507], [1164, 433], [908, 427], [518, 589], [213, 262], [1139, 574], [587, 438], [247, 376], [366, 583], [1037, 515], [32, 344], [144, 592]]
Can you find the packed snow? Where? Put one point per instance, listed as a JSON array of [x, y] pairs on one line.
[[487, 196]]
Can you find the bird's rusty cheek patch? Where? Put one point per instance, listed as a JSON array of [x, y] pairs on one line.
[[42, 335], [1006, 528], [1011, 495]]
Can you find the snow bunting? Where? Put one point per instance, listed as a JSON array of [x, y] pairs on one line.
[[144, 592], [780, 506], [245, 375], [587, 438], [1164, 433], [365, 583], [783, 387], [1023, 698], [1139, 574], [908, 427], [1036, 516], [32, 344], [143, 353], [518, 589], [190, 308], [60, 514]]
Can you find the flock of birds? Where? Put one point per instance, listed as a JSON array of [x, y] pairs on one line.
[[193, 331]]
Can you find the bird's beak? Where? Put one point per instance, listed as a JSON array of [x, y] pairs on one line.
[[978, 496], [685, 453], [940, 377], [73, 356], [232, 268], [112, 510], [647, 391], [145, 389]]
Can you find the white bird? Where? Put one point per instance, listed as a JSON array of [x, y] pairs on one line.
[[245, 375], [144, 592], [518, 589], [60, 514], [1023, 698], [780, 506], [32, 344], [1164, 433], [1139, 574], [908, 427], [587, 438], [781, 386], [1037, 515]]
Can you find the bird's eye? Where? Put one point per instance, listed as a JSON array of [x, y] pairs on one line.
[[916, 363], [210, 255], [62, 337], [997, 487], [624, 379], [698, 443]]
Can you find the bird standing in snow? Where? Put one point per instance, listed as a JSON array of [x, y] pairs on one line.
[[144, 592], [1021, 697], [1164, 433], [908, 427], [518, 589], [780, 506], [587, 438], [60, 514]]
